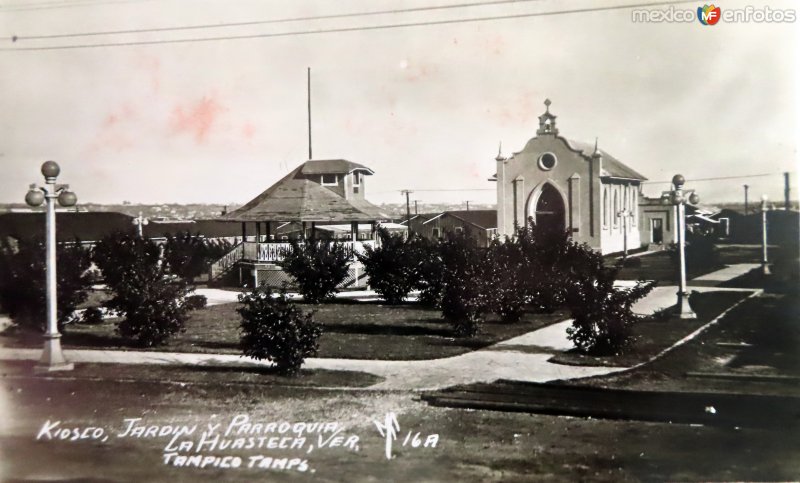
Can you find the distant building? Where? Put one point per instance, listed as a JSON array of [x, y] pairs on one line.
[[569, 185], [657, 222], [479, 224], [92, 226]]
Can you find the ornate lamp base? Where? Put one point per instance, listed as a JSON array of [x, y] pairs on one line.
[[52, 357], [683, 310]]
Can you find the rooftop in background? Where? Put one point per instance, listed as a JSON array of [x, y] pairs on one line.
[[93, 226], [333, 166], [482, 218]]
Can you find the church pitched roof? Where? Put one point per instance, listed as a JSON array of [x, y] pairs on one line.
[[609, 166], [298, 198]]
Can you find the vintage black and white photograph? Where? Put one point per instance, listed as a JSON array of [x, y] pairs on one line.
[[399, 240]]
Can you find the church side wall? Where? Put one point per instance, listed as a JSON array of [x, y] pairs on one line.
[[616, 196]]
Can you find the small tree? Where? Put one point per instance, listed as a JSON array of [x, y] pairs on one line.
[[186, 255], [701, 251], [428, 257], [189, 256], [23, 284], [507, 269], [602, 315], [393, 268], [151, 302], [464, 279], [275, 329], [317, 268], [546, 263]]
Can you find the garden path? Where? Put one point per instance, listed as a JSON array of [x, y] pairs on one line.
[[523, 358]]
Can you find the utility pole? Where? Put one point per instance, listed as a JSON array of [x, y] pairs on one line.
[[745, 199], [408, 208], [416, 210], [467, 202], [786, 191], [310, 157], [764, 262]]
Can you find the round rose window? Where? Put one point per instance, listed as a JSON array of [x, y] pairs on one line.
[[547, 161]]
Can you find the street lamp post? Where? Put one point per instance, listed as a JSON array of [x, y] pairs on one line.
[[625, 214], [52, 358], [764, 265], [678, 197], [140, 221]]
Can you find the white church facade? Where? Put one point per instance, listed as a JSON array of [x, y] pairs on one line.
[[569, 185]]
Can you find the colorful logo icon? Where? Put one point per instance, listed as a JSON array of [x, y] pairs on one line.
[[708, 14]]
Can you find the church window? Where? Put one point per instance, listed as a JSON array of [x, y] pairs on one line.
[[604, 207], [547, 161]]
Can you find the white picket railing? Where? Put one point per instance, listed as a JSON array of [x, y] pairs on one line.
[[274, 252], [227, 261], [269, 252]]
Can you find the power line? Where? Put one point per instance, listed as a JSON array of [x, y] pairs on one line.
[[57, 5], [718, 178], [350, 29], [435, 190], [273, 21]]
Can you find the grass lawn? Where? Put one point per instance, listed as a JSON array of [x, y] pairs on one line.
[[200, 375], [473, 445], [355, 330], [656, 334], [658, 266], [760, 337]]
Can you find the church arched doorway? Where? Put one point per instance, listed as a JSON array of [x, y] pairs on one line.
[[549, 210]]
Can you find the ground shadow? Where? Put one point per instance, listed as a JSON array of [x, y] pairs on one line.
[[388, 329]]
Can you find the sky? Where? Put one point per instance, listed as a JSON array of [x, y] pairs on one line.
[[425, 107]]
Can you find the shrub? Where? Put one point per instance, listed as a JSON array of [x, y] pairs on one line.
[[632, 262], [548, 259], [185, 255], [317, 268], [507, 269], [464, 298], [189, 256], [429, 270], [151, 302], [785, 268], [92, 316], [23, 283], [196, 302], [602, 315], [274, 328], [700, 250], [393, 267]]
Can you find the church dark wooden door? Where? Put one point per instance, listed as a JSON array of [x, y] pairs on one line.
[[550, 210]]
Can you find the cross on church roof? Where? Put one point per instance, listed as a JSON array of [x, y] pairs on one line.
[[547, 121]]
